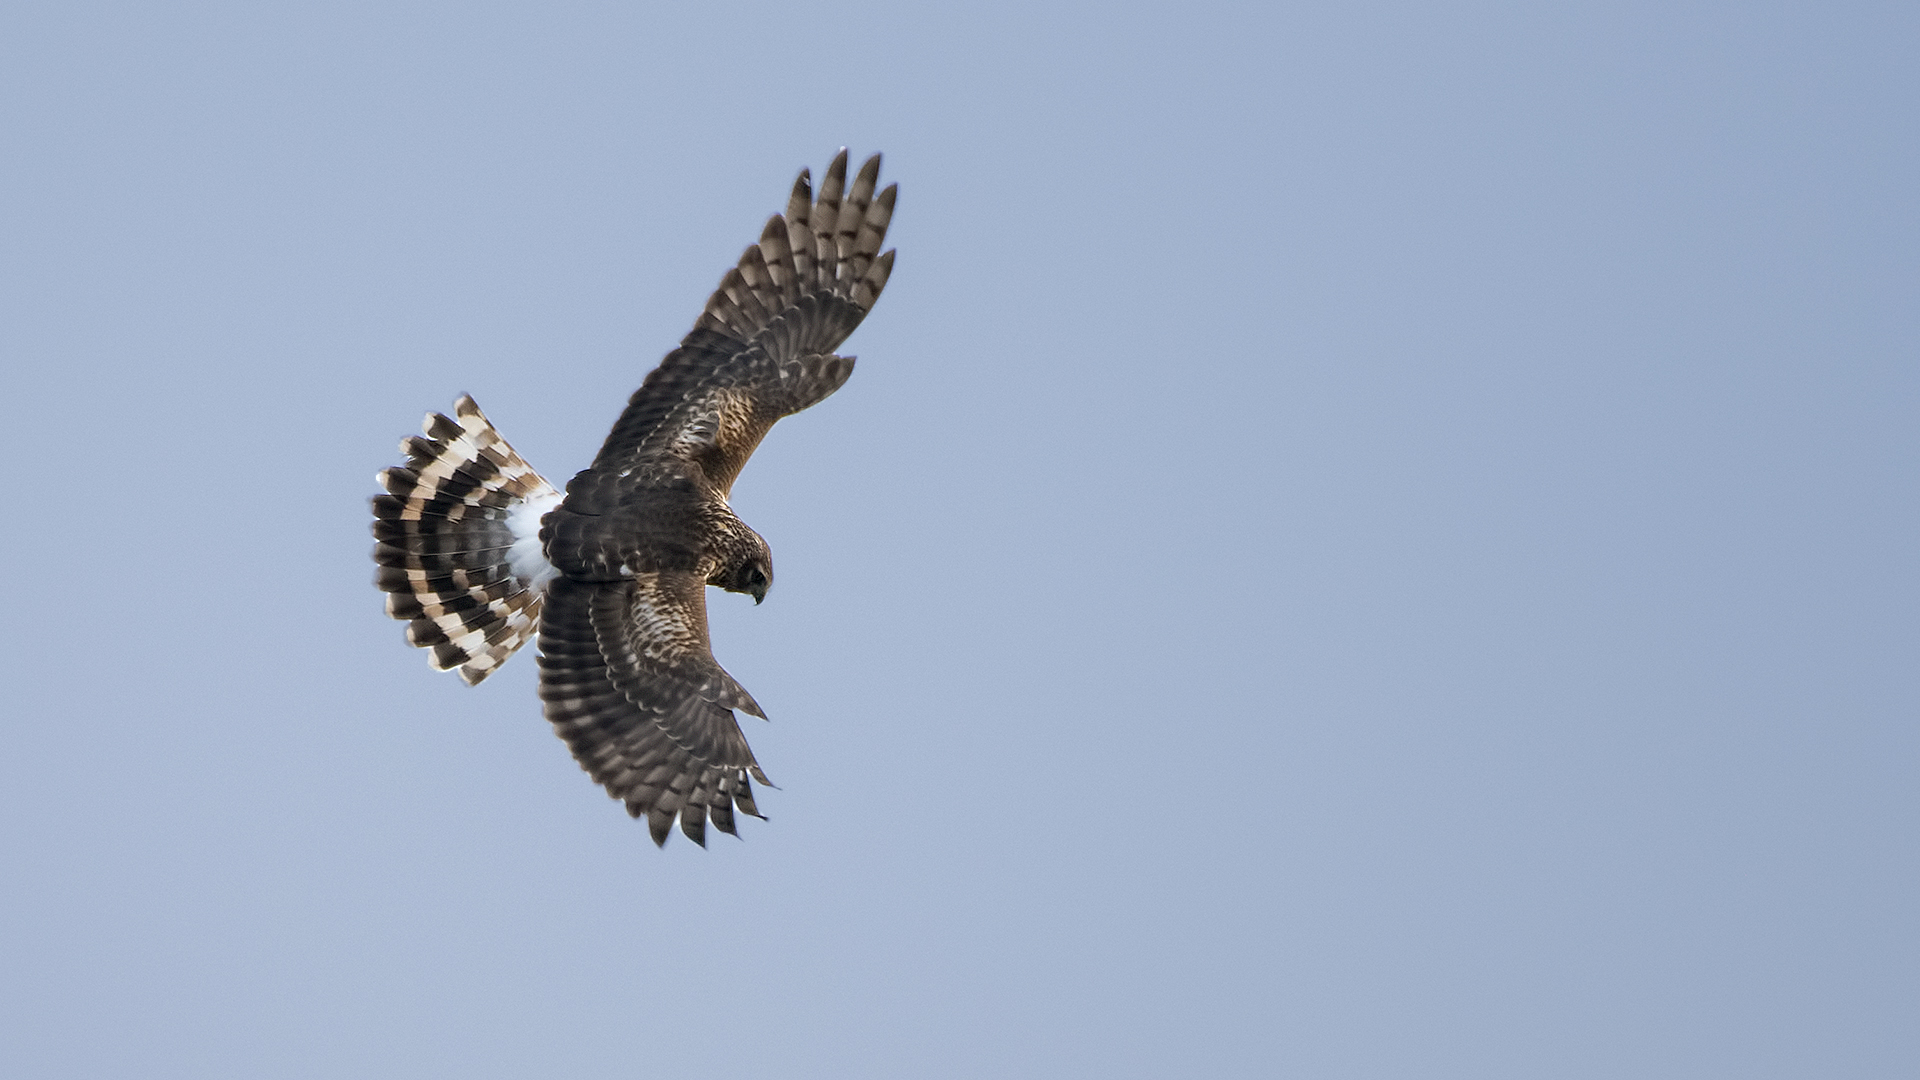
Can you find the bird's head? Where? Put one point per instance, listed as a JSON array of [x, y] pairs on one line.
[[753, 577]]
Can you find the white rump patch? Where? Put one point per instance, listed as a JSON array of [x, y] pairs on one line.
[[526, 557]]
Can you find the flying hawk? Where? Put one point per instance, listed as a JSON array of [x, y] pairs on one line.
[[478, 553]]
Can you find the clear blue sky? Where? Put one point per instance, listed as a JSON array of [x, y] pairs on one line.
[[1368, 540]]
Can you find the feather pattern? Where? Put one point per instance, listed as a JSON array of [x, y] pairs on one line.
[[457, 543], [769, 328], [630, 683]]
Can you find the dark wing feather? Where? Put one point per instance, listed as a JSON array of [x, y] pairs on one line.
[[630, 683], [763, 347]]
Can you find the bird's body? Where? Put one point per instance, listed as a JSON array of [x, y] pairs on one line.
[[478, 553]]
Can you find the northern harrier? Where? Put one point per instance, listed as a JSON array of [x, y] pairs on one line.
[[479, 553]]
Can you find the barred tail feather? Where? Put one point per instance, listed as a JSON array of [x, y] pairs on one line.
[[459, 543]]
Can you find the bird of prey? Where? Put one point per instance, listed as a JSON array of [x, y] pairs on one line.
[[479, 554]]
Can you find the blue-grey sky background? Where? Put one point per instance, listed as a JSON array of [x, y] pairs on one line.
[[1368, 540]]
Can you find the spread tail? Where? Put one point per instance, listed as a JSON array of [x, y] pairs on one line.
[[459, 543]]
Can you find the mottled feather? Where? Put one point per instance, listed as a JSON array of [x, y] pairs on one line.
[[630, 682]]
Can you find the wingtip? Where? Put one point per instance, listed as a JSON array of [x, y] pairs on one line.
[[694, 825], [835, 183], [869, 174]]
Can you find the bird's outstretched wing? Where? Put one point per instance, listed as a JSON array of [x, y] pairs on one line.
[[627, 672], [630, 683], [763, 348]]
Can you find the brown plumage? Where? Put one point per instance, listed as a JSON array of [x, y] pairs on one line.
[[476, 550]]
